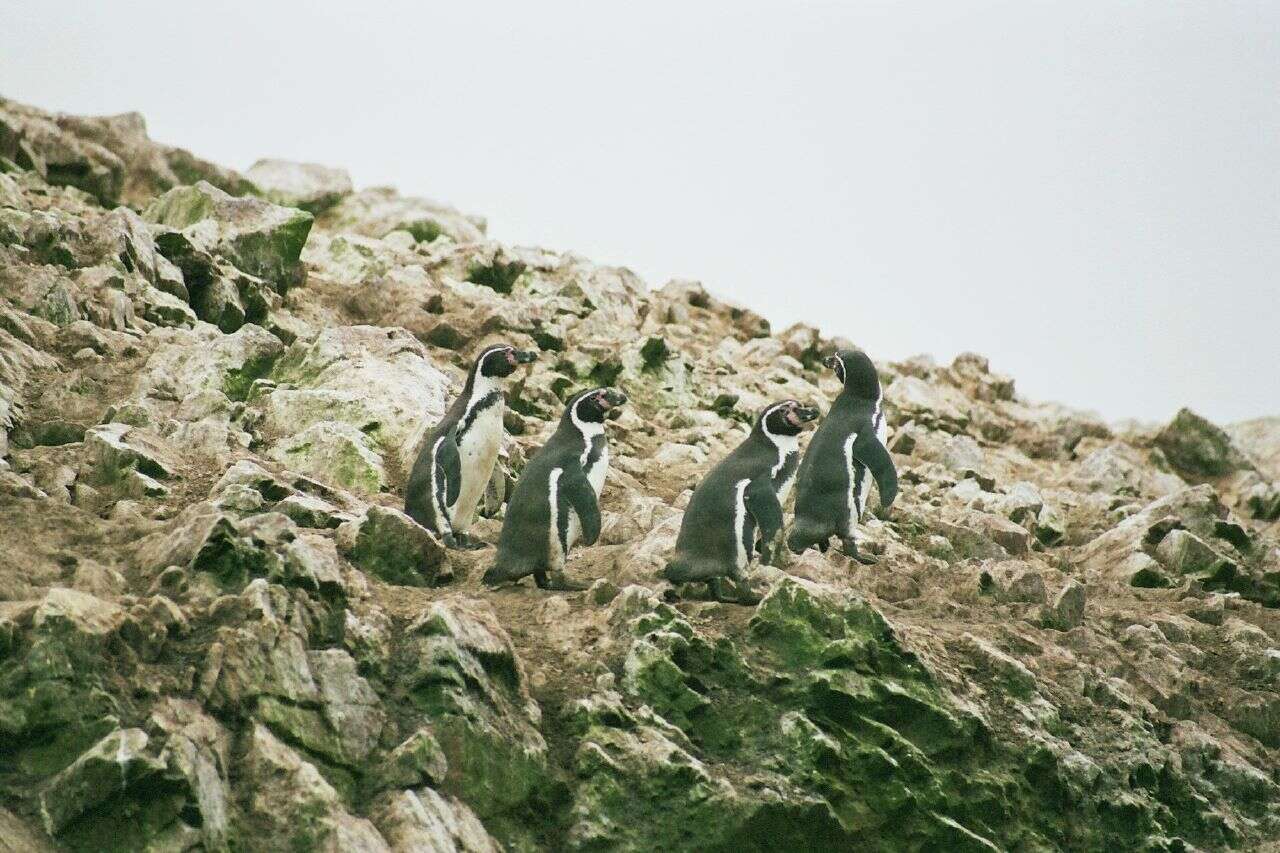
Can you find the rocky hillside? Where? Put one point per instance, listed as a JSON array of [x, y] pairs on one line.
[[218, 631]]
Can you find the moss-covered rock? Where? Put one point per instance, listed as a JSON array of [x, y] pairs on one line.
[[258, 238], [390, 545]]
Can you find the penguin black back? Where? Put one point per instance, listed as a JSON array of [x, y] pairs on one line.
[[557, 493], [832, 483], [737, 499]]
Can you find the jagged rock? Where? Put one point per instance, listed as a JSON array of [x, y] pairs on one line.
[[425, 820], [307, 186], [335, 453], [933, 406], [1185, 553], [257, 237], [1067, 610], [187, 361], [310, 511], [378, 211], [1259, 439], [129, 458], [463, 672], [82, 613], [419, 759], [254, 476], [111, 766], [33, 140], [388, 544], [380, 382], [196, 748], [1198, 448], [296, 805]]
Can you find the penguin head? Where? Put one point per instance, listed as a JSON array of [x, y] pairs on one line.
[[502, 360], [595, 405], [855, 371], [787, 418]]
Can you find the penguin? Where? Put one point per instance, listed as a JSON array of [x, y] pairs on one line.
[[847, 450], [740, 497], [556, 501], [458, 454]]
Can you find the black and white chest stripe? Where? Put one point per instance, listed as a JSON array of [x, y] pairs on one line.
[[783, 470]]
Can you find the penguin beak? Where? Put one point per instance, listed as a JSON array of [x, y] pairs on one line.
[[611, 399], [524, 356], [830, 362], [798, 416]]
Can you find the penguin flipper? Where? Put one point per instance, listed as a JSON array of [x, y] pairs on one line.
[[868, 450], [449, 466], [576, 490], [762, 502]]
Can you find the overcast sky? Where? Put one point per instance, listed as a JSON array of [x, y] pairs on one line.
[[1086, 192]]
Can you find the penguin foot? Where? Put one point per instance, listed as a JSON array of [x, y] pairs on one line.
[[850, 549], [742, 594], [557, 583], [466, 542]]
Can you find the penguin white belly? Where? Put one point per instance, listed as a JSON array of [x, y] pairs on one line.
[[851, 466], [479, 453], [739, 524], [595, 476]]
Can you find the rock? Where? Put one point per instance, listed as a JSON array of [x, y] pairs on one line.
[[419, 759], [189, 361], [113, 451], [1259, 439], [196, 748], [1198, 448], [1067, 610], [381, 382], [932, 406], [1210, 611], [253, 476], [482, 714], [310, 511], [108, 768], [33, 140], [81, 612], [425, 820], [390, 545], [295, 803], [307, 186], [1185, 553], [333, 453], [257, 237], [378, 211]]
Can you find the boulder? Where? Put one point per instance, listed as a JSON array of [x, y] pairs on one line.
[[334, 453], [257, 237], [392, 546], [1067, 610], [382, 382], [187, 361], [296, 805], [424, 820], [378, 211], [113, 764], [307, 186], [1198, 448]]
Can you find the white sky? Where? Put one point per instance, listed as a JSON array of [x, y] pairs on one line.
[[1086, 192]]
